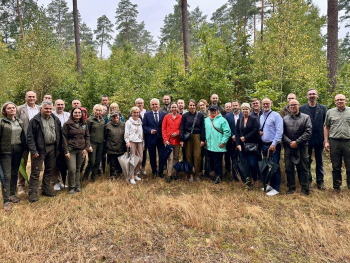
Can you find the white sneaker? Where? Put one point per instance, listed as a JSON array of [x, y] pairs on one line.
[[132, 181], [143, 172], [268, 188], [57, 187], [137, 178], [272, 192], [62, 185]]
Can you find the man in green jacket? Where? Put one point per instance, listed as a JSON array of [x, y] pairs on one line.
[[217, 133]]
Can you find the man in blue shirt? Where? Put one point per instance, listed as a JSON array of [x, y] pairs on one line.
[[271, 131]]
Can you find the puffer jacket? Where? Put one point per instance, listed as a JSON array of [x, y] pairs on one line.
[[96, 129], [74, 137], [214, 137], [5, 135], [297, 128], [114, 137]]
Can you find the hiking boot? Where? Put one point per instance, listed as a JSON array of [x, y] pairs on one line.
[[321, 187], [336, 190], [71, 191], [290, 192], [33, 198], [14, 199], [48, 193], [303, 193], [78, 190], [7, 207]]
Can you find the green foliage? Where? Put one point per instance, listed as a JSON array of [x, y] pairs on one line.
[[126, 15], [103, 31]]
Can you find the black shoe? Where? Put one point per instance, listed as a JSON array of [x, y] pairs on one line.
[[303, 193], [290, 192], [161, 175], [176, 177], [155, 175], [321, 187], [48, 193], [93, 179], [217, 180], [33, 198], [169, 179], [336, 190]]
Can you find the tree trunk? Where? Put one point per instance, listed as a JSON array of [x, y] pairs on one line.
[[20, 19], [60, 27], [185, 34], [332, 43], [262, 20], [103, 31], [77, 36]]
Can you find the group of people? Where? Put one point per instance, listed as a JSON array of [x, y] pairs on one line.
[[59, 141]]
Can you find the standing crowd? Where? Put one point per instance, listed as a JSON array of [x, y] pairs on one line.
[[59, 141]]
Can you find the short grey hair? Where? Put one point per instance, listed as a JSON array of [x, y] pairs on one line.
[[228, 103], [46, 102], [155, 100], [138, 100], [245, 104]]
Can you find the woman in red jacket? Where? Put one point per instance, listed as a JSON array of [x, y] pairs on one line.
[[170, 132]]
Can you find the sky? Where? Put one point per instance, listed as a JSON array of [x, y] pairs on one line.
[[152, 12]]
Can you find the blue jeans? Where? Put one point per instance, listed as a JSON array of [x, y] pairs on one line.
[[252, 158], [276, 178]]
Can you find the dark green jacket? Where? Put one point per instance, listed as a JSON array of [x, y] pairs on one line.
[[5, 135], [96, 129], [114, 135]]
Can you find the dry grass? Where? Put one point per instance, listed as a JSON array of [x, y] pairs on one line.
[[178, 222]]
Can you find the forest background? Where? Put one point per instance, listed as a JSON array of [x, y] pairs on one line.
[[246, 49]]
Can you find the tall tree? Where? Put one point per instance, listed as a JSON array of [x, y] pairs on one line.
[[143, 42], [126, 15], [332, 43], [244, 10], [20, 19], [197, 21], [345, 5], [262, 20], [77, 36], [185, 33], [221, 17], [57, 11], [103, 31], [86, 34]]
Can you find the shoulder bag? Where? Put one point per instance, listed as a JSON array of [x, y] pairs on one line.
[[187, 135], [248, 146]]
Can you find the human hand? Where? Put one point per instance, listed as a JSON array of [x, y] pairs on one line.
[[221, 145], [153, 131], [293, 144], [67, 155]]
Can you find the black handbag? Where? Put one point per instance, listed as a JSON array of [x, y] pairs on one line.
[[187, 135], [251, 147]]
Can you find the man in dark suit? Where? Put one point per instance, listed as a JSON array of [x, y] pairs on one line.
[[152, 127], [232, 118], [317, 113]]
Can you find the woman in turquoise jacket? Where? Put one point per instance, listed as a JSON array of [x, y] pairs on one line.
[[217, 132]]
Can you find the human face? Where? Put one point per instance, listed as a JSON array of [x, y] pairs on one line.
[[166, 100], [76, 104], [139, 104], [97, 112], [154, 105], [115, 118], [228, 107], [235, 106], [77, 114], [266, 105], [294, 106], [173, 109], [214, 99], [312, 95], [245, 111], [30, 98], [104, 109], [340, 101], [59, 106], [114, 109], [202, 106], [181, 104], [47, 97], [10, 110], [46, 110], [291, 97], [105, 101], [135, 114], [213, 113], [192, 107], [256, 105]]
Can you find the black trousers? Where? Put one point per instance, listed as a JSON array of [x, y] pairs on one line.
[[10, 164], [302, 168], [319, 149], [114, 165], [229, 155], [216, 161], [340, 150]]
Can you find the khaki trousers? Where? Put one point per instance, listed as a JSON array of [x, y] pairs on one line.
[[193, 152], [173, 158], [137, 149]]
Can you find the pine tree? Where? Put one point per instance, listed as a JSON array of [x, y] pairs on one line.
[[86, 34], [345, 5], [196, 22], [332, 43], [103, 31], [126, 15], [57, 12], [143, 42]]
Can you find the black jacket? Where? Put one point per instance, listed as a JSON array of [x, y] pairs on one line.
[[317, 137], [297, 128], [35, 135], [250, 132]]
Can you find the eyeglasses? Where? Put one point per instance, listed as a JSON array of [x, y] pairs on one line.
[[340, 100]]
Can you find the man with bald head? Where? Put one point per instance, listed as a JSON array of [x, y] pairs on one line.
[[286, 111], [215, 101], [297, 129], [26, 112], [337, 140], [271, 130], [76, 104]]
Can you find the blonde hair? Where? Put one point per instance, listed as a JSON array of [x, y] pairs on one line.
[[133, 109], [245, 105], [113, 105], [97, 106]]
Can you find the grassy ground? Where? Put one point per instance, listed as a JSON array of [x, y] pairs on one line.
[[179, 222]]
